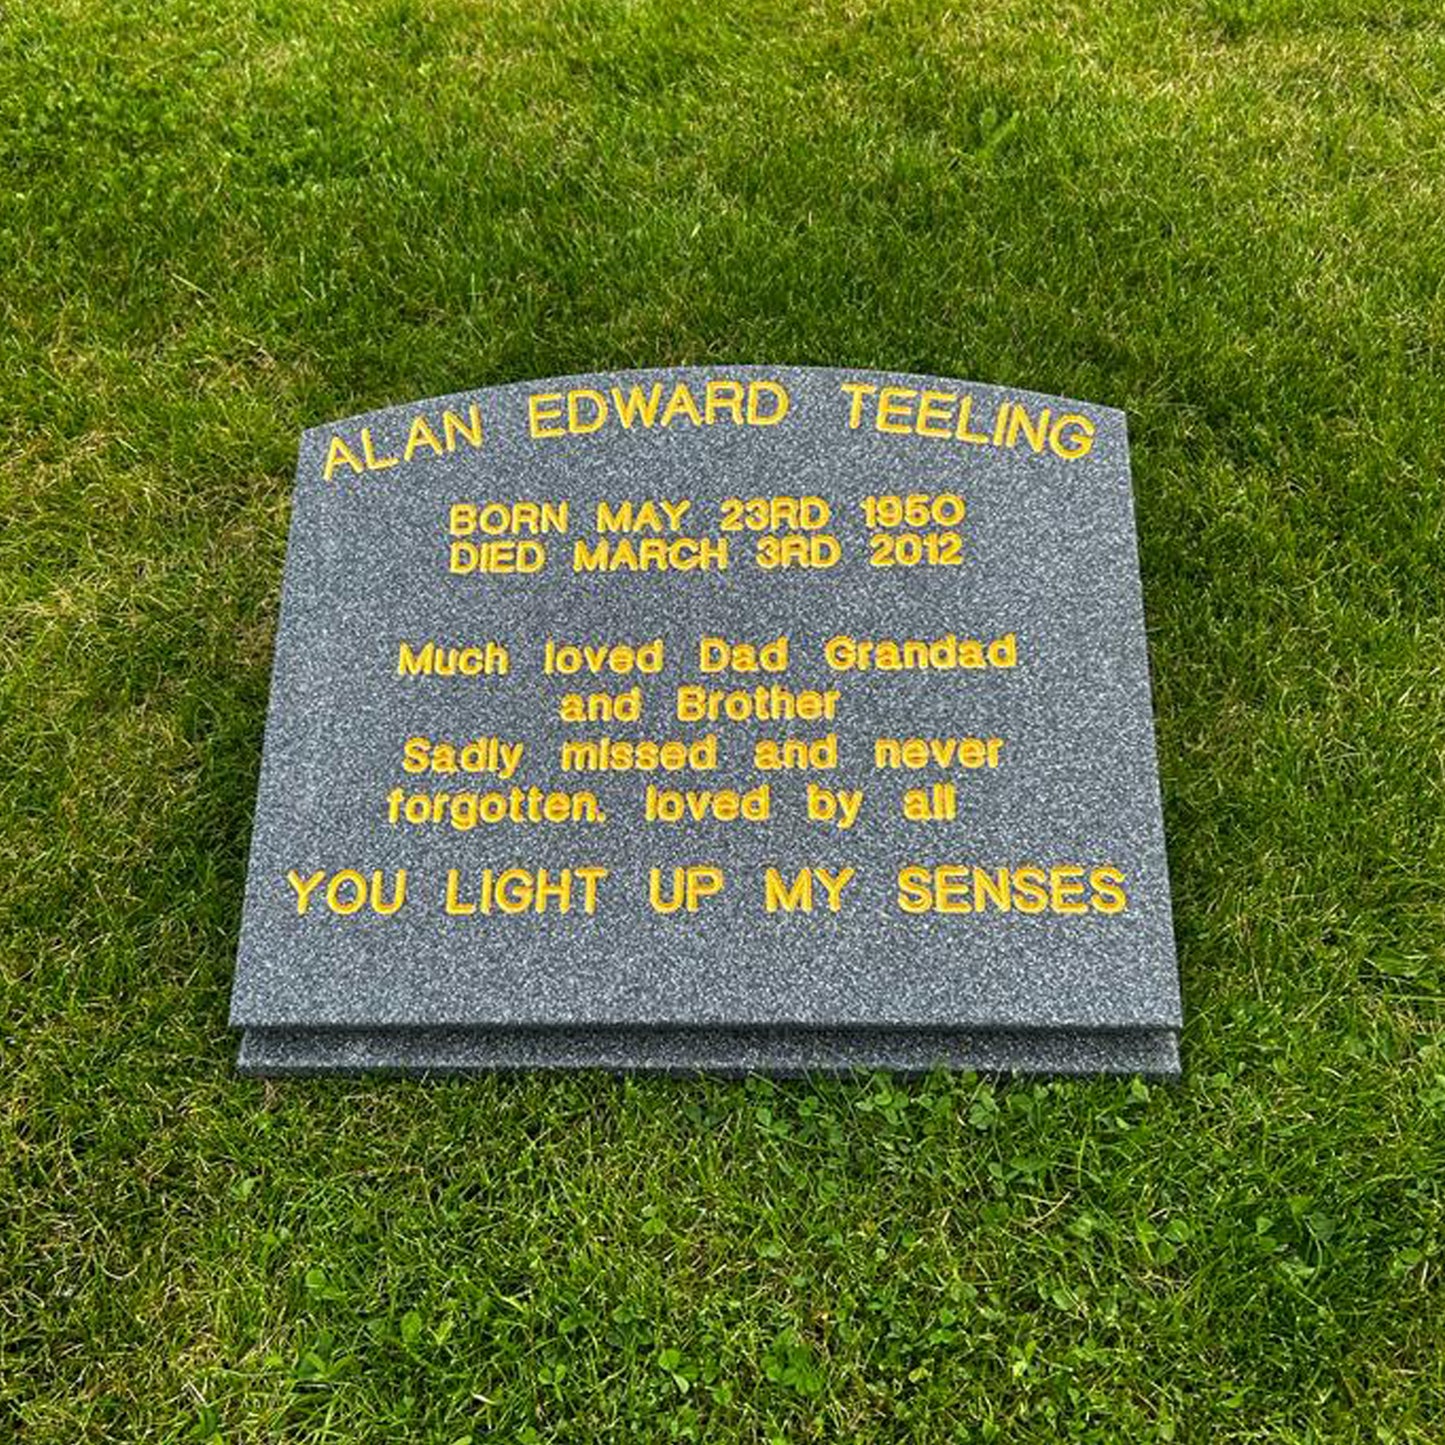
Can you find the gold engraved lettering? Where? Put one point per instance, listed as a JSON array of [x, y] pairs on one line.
[[304, 887], [434, 659], [601, 706], [797, 897], [624, 755], [685, 888], [524, 890], [1069, 889], [715, 654], [944, 654], [583, 410], [348, 891], [724, 805], [567, 659], [463, 811], [420, 435], [763, 703], [915, 753], [838, 806], [653, 554], [800, 754]]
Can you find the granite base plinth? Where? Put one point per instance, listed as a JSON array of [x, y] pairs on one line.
[[725, 1052]]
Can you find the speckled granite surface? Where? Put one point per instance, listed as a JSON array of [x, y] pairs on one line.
[[787, 1052], [1049, 560]]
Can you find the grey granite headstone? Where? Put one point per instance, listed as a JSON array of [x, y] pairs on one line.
[[731, 719]]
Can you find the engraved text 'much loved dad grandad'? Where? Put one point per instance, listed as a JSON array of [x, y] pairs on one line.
[[728, 719]]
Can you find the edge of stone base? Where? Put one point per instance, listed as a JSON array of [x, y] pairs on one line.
[[779, 1053]]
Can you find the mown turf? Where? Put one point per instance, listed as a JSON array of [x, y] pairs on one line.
[[222, 221]]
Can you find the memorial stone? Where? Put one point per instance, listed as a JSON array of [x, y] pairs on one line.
[[731, 719]]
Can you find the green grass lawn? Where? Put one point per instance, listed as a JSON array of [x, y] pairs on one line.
[[223, 221]]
